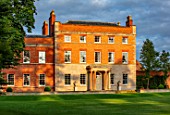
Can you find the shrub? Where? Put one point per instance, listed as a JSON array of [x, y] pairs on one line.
[[161, 86], [9, 89], [47, 88]]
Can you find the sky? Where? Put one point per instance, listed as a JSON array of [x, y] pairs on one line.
[[151, 17]]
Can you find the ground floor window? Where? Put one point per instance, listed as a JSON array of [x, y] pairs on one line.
[[67, 79], [26, 78], [10, 79], [125, 78], [82, 79], [42, 79], [111, 79]]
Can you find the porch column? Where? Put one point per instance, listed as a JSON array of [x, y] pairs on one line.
[[90, 81], [105, 81], [109, 81], [94, 80]]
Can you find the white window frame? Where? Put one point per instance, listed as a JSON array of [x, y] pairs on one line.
[[43, 54], [99, 37], [112, 75], [125, 58], [65, 79], [83, 75], [26, 57], [113, 54], [110, 37], [95, 57], [44, 79], [125, 41], [83, 41], [28, 79], [123, 80], [8, 79], [67, 38], [82, 52], [66, 53]]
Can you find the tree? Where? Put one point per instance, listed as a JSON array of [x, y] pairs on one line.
[[165, 64], [15, 15], [149, 58]]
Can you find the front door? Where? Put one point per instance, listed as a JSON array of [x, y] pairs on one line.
[[98, 81]]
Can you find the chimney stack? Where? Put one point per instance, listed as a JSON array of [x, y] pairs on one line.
[[45, 28], [129, 21], [51, 23]]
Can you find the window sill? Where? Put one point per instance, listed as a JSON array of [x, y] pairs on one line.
[[67, 62], [11, 85], [67, 85], [83, 85], [97, 62], [82, 62]]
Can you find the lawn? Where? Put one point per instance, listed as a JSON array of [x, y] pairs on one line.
[[87, 104]]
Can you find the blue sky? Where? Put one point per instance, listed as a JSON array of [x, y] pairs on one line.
[[152, 17]]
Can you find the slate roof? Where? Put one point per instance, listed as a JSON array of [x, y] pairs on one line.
[[37, 36], [91, 23]]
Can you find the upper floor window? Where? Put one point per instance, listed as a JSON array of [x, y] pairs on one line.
[[67, 79], [82, 79], [111, 57], [111, 40], [41, 57], [42, 79], [97, 57], [124, 40], [67, 38], [26, 56], [82, 39], [111, 79], [26, 79], [10, 79], [82, 56], [125, 78], [67, 56], [97, 39], [125, 57]]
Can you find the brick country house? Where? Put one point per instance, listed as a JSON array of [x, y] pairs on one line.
[[77, 55]]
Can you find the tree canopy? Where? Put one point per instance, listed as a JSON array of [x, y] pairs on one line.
[[149, 58], [15, 15]]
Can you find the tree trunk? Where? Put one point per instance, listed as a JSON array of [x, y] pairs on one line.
[[148, 84]]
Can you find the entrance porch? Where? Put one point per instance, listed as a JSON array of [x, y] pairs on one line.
[[98, 78]]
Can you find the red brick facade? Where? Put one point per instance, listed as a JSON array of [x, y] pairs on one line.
[[74, 74]]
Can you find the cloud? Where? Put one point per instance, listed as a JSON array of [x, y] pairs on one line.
[[152, 17]]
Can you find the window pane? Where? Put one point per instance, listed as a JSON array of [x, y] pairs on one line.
[[111, 40], [111, 57], [26, 79], [67, 55], [124, 40], [125, 57], [26, 57], [67, 79], [125, 78], [82, 79], [97, 39], [97, 56], [67, 38], [41, 57], [42, 79], [82, 56], [111, 78], [11, 79], [82, 39]]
